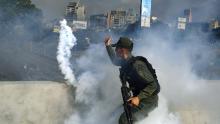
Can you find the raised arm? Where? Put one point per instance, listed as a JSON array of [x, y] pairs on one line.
[[111, 52]]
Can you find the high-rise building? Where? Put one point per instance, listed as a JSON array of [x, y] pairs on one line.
[[188, 15], [185, 20], [75, 12], [98, 22], [75, 16], [81, 13], [117, 18], [71, 12], [214, 24], [131, 16]]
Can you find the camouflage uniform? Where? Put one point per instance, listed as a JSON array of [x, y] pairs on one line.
[[141, 82]]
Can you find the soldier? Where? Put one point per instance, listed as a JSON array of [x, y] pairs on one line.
[[140, 76]]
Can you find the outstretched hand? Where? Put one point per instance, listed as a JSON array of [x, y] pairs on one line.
[[108, 41]]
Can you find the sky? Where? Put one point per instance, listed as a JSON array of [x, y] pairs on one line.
[[166, 10]]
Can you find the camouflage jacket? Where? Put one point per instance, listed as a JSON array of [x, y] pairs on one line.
[[140, 79]]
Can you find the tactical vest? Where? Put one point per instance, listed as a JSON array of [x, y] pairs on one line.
[[132, 76]]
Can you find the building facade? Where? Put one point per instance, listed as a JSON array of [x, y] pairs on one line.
[[131, 16], [71, 12], [214, 24], [188, 15], [75, 12], [117, 18], [98, 22]]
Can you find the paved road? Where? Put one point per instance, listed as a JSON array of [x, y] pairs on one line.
[[18, 63]]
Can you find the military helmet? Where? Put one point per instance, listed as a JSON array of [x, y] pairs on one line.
[[124, 42]]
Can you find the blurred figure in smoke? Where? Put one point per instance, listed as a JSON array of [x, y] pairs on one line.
[[140, 76]]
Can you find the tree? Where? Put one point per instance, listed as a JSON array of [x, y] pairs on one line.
[[22, 14], [11, 9]]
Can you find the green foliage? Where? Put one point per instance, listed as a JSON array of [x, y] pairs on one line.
[[19, 18], [10, 9]]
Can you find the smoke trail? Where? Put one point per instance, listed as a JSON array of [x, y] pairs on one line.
[[95, 90], [67, 41]]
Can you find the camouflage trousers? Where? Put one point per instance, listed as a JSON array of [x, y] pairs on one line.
[[142, 111]]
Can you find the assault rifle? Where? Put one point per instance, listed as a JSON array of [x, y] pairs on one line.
[[126, 94]]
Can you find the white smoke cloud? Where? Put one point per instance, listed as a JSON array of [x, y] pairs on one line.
[[95, 90], [98, 87], [161, 115], [66, 43], [87, 81]]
